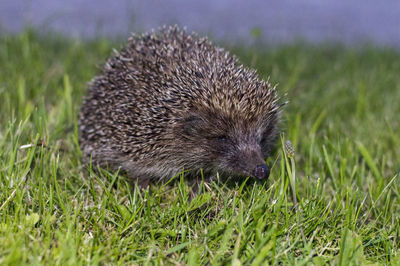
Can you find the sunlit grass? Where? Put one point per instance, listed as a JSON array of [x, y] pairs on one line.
[[342, 118]]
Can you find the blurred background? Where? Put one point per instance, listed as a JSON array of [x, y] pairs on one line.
[[238, 21]]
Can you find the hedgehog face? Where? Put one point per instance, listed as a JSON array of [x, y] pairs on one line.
[[229, 146]]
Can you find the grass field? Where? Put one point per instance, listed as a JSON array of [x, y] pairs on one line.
[[342, 118]]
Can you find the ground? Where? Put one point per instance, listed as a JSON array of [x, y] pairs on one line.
[[342, 118]]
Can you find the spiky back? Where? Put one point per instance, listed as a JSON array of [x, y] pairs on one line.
[[155, 81]]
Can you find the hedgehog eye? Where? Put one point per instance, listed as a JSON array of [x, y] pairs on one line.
[[221, 138]]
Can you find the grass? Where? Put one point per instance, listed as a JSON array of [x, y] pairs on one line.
[[343, 121]]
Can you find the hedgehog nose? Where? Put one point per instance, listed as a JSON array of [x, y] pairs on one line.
[[261, 171]]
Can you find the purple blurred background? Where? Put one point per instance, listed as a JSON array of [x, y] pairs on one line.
[[346, 21]]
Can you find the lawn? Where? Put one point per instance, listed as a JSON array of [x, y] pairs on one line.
[[342, 118]]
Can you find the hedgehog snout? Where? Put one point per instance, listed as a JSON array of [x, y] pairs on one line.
[[249, 161], [261, 171]]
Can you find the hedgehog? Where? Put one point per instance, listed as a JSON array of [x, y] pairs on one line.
[[171, 101]]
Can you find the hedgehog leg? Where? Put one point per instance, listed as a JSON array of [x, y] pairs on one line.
[[197, 186], [143, 183]]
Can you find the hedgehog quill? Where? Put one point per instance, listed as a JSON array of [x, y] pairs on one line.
[[170, 101]]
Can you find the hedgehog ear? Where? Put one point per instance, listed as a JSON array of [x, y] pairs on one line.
[[192, 123]]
